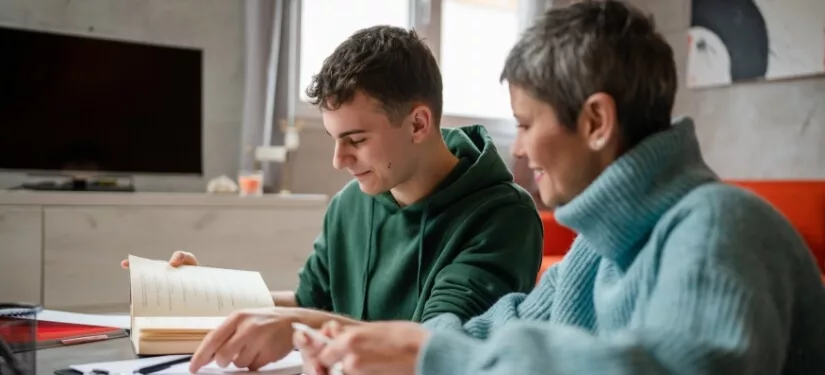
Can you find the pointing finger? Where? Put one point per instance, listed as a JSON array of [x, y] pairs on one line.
[[212, 342]]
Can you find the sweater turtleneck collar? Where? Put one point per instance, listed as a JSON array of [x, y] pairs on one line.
[[621, 206]]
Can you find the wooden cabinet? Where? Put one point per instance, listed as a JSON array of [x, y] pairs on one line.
[[83, 243], [20, 253]]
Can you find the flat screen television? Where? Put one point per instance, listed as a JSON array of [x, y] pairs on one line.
[[79, 103]]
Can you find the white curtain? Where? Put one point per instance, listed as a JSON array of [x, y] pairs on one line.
[[271, 34]]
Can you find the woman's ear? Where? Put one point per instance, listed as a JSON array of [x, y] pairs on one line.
[[598, 118]]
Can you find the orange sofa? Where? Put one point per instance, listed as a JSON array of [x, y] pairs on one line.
[[802, 202]]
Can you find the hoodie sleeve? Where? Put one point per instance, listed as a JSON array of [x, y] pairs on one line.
[[502, 257], [313, 279]]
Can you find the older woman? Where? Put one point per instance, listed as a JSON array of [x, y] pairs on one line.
[[673, 271]]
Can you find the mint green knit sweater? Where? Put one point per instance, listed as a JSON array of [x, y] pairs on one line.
[[673, 272]]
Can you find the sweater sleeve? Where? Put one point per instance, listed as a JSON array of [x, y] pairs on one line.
[[491, 264], [720, 306], [513, 306]]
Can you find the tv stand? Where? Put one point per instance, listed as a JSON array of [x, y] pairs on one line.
[[60, 249], [75, 183]]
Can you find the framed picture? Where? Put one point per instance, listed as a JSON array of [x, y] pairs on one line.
[[745, 40]]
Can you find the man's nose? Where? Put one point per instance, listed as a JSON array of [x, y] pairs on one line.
[[340, 158]]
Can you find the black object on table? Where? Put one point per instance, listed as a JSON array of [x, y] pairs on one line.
[[18, 338], [162, 366]]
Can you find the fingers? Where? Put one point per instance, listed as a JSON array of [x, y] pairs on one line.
[[183, 258], [331, 329], [320, 370], [212, 342], [306, 344], [313, 368], [310, 348], [335, 351], [179, 258], [242, 358], [252, 354], [237, 343], [258, 362]]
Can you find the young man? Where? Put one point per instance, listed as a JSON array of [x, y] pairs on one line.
[[672, 272], [431, 224]]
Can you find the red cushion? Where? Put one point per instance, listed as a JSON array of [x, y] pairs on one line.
[[557, 239], [802, 203]]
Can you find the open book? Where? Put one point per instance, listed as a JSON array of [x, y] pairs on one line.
[[173, 308]]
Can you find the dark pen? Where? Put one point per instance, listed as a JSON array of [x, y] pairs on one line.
[[162, 366]]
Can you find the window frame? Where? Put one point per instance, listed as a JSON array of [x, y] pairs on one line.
[[425, 18]]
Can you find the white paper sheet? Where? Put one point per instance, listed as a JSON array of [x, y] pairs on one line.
[[115, 321], [289, 365], [124, 367]]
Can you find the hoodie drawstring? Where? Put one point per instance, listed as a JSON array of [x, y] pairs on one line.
[[421, 231], [368, 259]]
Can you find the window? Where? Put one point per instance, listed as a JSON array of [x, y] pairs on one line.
[[476, 36], [470, 38], [327, 23]]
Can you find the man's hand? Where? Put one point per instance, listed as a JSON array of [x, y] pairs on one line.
[[371, 348], [249, 338], [179, 258]]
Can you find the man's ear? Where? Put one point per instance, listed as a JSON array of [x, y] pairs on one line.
[[422, 123], [598, 121]]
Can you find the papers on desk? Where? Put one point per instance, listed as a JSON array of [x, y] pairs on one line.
[[290, 365], [121, 321]]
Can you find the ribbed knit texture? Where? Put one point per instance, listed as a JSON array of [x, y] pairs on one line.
[[673, 272]]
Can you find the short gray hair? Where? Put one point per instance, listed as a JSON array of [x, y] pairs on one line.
[[597, 46]]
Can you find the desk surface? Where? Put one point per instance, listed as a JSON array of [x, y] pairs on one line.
[[49, 360]]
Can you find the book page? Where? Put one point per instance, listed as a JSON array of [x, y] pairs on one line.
[[179, 323], [159, 289]]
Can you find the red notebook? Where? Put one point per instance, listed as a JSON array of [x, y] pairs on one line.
[[51, 334]]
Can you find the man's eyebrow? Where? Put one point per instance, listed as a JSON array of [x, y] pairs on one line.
[[347, 133]]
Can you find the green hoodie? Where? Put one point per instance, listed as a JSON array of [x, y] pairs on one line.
[[476, 238]]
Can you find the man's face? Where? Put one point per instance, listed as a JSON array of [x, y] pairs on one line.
[[379, 154]]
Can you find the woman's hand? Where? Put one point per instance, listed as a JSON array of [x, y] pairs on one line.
[[370, 348], [310, 348]]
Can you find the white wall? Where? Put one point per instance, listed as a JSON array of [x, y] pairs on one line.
[[215, 26]]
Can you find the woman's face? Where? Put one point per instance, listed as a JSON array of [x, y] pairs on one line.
[[564, 161]]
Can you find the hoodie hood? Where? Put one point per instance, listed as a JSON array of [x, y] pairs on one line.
[[479, 167]]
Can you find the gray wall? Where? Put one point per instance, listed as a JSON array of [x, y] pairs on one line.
[[764, 130], [215, 26]]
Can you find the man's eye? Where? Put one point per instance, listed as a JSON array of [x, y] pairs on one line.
[[357, 141]]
